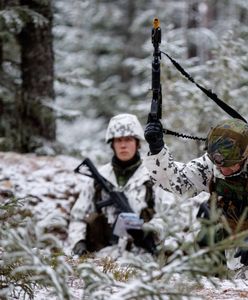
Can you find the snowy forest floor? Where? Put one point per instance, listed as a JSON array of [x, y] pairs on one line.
[[54, 188]]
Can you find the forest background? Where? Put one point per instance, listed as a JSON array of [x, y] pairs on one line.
[[66, 67]]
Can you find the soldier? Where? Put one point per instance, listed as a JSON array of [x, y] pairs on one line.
[[222, 171], [91, 230]]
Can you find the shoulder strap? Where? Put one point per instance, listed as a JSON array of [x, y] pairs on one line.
[[148, 212], [149, 194], [227, 108], [97, 194]]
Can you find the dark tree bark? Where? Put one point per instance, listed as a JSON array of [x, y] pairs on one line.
[[37, 120], [193, 22], [1, 41], [9, 89]]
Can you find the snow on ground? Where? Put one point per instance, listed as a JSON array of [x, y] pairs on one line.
[[54, 188], [226, 290], [76, 291], [49, 182]]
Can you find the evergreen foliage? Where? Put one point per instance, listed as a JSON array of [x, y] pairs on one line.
[[109, 64], [27, 75], [103, 58], [28, 258], [31, 260], [174, 276], [103, 67]]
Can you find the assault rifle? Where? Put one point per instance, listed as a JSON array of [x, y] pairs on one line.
[[156, 105], [120, 201], [116, 198]]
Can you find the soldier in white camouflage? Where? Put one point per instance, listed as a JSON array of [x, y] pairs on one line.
[[221, 171], [91, 230]]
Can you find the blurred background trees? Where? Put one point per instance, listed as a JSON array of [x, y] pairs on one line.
[[27, 70], [58, 91], [67, 66], [36, 118]]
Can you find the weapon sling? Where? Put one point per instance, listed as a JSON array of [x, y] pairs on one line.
[[156, 104], [227, 108]]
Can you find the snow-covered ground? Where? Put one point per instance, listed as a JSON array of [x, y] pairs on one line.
[[49, 181], [54, 188]]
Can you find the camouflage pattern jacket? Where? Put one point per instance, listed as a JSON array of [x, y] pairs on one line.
[[135, 190], [201, 175], [184, 179], [192, 178]]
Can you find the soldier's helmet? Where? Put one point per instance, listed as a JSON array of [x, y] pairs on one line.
[[227, 143], [124, 125]]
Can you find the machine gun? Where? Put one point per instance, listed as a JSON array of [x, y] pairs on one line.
[[156, 105], [120, 201]]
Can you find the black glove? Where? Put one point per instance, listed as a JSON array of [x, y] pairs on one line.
[[204, 211], [243, 253], [80, 248], [154, 136], [143, 240]]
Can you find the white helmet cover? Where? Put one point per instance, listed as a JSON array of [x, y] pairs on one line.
[[124, 125]]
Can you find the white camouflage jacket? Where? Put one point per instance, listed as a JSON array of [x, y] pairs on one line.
[[134, 189], [187, 179]]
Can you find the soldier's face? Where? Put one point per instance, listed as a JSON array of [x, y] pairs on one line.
[[125, 147]]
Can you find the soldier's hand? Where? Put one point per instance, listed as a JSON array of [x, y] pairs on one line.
[[243, 254], [80, 248], [154, 136], [143, 240]]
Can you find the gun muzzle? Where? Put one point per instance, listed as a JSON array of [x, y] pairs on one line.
[[156, 23]]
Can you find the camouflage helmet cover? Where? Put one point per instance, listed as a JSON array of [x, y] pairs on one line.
[[124, 125], [227, 143]]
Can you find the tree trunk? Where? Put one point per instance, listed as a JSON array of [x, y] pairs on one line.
[[37, 120], [193, 22], [9, 86]]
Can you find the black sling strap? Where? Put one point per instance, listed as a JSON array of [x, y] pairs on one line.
[[228, 109]]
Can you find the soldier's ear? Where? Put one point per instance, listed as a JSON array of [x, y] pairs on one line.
[[111, 142], [112, 146]]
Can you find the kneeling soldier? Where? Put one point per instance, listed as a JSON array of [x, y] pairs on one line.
[[90, 228]]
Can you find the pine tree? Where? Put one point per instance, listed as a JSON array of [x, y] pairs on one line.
[[29, 259], [27, 120]]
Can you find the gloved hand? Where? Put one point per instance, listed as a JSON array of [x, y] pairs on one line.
[[143, 240], [204, 211], [243, 254], [80, 248], [157, 228], [154, 136]]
